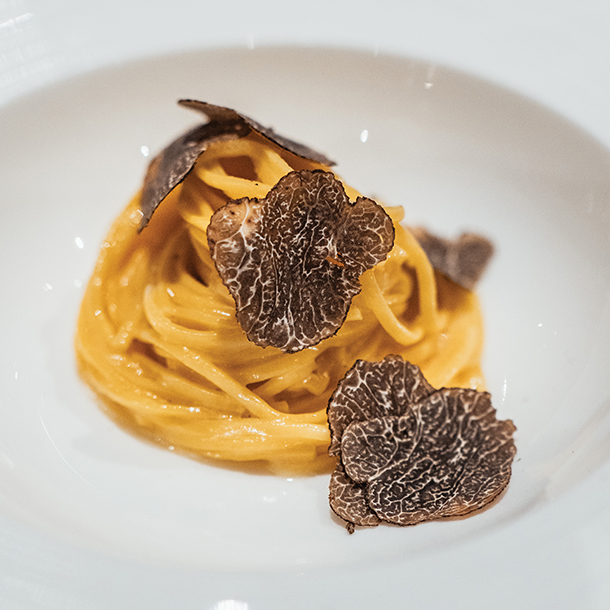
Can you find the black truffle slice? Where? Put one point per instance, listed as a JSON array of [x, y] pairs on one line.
[[292, 261], [409, 453], [374, 389], [462, 260], [172, 164], [447, 456], [227, 114]]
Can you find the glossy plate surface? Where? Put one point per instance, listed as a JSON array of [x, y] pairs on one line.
[[83, 504]]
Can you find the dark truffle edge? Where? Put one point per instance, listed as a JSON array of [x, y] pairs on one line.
[[214, 112]]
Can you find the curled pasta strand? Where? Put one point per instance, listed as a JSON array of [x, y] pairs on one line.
[[381, 309]]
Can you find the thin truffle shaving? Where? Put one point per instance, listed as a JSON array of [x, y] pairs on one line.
[[441, 455], [174, 163], [462, 260], [292, 261]]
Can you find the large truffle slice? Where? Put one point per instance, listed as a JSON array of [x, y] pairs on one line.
[[292, 261], [429, 454], [173, 163], [374, 389], [462, 260], [447, 457]]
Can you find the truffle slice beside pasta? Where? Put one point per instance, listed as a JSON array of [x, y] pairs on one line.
[[444, 455]]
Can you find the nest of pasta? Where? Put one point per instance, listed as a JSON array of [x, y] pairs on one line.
[[159, 338]]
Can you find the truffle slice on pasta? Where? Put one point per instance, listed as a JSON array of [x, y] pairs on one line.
[[220, 113], [173, 163], [444, 455], [462, 260], [292, 261]]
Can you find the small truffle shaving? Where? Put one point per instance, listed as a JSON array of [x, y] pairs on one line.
[[174, 162], [441, 455], [462, 260], [292, 261]]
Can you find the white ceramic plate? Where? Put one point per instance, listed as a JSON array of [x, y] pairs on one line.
[[91, 517]]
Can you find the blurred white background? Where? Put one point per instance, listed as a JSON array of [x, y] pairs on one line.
[[555, 51]]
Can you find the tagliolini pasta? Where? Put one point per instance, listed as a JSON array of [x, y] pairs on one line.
[[158, 341]]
